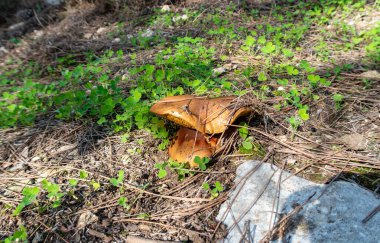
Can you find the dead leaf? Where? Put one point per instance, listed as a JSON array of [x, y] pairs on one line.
[[86, 219], [354, 141], [136, 239], [100, 235], [371, 75]]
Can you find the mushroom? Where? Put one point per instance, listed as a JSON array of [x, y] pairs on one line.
[[203, 114], [189, 143]]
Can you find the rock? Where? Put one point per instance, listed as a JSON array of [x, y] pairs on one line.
[[165, 8], [144, 227], [218, 71], [53, 2], [116, 40], [371, 75], [291, 160], [181, 17], [148, 33], [86, 219], [333, 214], [38, 34], [101, 30], [16, 26], [87, 36], [354, 141]]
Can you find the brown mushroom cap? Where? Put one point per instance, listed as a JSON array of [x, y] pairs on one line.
[[189, 143], [201, 113]]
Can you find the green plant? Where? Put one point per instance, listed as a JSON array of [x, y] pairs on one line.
[[83, 174], [268, 48], [123, 202], [338, 99], [161, 169], [248, 43], [73, 182], [29, 196], [303, 113], [54, 192], [367, 83], [215, 190], [143, 216], [19, 236], [180, 168], [119, 180], [95, 184], [292, 70], [248, 146], [294, 122], [202, 162]]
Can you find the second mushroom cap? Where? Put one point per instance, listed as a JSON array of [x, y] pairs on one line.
[[189, 143]]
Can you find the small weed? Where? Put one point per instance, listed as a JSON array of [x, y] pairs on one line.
[[161, 169], [83, 174], [54, 192], [73, 182], [217, 188], [95, 185], [119, 180], [19, 236], [29, 196], [202, 162], [123, 202], [181, 169], [338, 99], [294, 122], [143, 216]]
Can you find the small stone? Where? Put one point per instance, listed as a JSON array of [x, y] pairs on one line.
[[291, 161], [184, 238], [16, 26], [218, 71], [34, 159], [53, 2], [148, 33], [38, 33], [179, 18], [87, 36], [101, 30], [116, 40], [282, 138], [165, 8], [144, 227]]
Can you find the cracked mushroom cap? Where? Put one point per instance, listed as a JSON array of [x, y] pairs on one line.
[[201, 113], [189, 143]]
